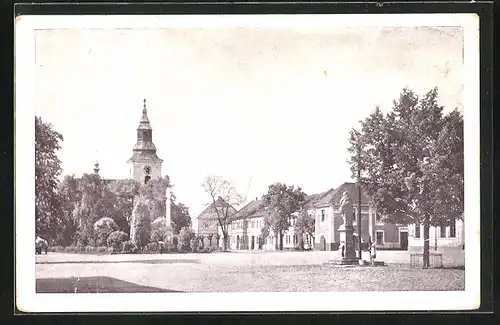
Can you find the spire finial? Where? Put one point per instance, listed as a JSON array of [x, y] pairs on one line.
[[144, 110], [96, 168]]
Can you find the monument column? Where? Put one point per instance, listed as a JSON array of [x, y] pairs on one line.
[[168, 214]]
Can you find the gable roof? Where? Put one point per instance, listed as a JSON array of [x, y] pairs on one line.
[[249, 209], [209, 212], [333, 197], [312, 199], [255, 209]]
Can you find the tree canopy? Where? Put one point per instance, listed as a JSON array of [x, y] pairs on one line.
[[283, 200], [304, 225], [412, 162], [47, 170], [121, 193], [180, 217], [93, 205]]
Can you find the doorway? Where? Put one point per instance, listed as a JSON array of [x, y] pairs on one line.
[[322, 243], [403, 240], [253, 243]]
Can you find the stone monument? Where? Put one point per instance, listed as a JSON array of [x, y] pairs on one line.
[[346, 230], [168, 215]]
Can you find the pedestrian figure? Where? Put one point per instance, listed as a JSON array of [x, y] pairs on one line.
[[373, 251], [41, 245], [343, 249]]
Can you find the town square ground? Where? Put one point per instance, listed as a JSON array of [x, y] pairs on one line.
[[238, 272]]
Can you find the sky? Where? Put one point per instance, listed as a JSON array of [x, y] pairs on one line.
[[254, 105]]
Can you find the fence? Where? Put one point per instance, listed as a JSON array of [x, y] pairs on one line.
[[435, 260]]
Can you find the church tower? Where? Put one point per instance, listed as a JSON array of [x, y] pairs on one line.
[[144, 163]]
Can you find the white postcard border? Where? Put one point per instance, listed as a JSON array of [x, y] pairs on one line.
[[29, 301]]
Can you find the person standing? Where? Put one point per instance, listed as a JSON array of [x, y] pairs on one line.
[[373, 251]]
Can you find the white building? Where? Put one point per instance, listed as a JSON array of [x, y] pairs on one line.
[[446, 236], [246, 230]]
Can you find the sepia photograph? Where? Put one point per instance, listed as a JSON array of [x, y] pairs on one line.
[[247, 163]]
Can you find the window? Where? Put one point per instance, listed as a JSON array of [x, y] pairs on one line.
[[442, 231], [380, 237], [453, 229], [295, 239], [323, 215], [417, 230], [377, 217]]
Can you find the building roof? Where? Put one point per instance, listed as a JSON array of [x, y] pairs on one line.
[[209, 212], [249, 209], [255, 209], [312, 199], [333, 197]]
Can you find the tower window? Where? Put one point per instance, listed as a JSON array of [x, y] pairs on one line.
[[146, 179]]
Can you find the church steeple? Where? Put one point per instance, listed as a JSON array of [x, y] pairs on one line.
[[145, 133], [146, 163]]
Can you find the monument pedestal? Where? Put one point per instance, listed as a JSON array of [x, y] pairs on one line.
[[169, 244], [347, 241]]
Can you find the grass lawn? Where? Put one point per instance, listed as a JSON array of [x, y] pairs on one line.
[[232, 273], [95, 284]]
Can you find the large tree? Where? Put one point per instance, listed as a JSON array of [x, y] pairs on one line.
[[142, 223], [304, 225], [70, 197], [223, 200], [411, 162], [47, 170], [153, 193], [283, 200], [180, 217], [121, 193], [94, 205]]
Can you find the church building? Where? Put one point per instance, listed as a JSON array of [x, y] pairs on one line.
[[144, 164]]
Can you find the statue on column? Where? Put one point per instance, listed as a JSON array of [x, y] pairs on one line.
[[346, 209], [168, 212]]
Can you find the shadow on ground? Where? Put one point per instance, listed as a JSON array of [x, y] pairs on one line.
[[171, 261], [97, 284]]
